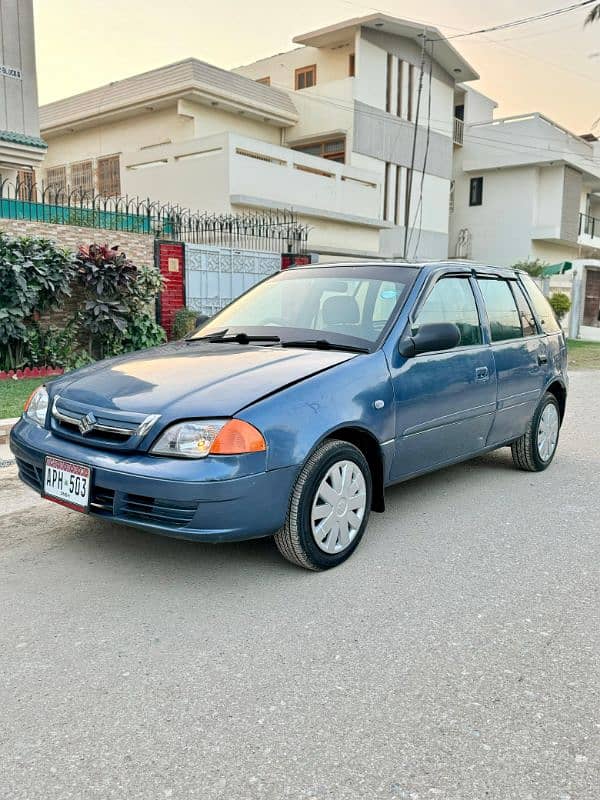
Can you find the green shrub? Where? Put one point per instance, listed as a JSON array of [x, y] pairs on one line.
[[184, 322], [118, 294], [534, 267], [35, 276], [561, 304]]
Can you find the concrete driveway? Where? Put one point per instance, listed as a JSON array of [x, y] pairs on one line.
[[456, 655]]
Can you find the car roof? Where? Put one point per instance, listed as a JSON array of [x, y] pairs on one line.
[[453, 265]]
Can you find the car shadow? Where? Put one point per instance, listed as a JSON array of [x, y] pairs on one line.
[[112, 542]]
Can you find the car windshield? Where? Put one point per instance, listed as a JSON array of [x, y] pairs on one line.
[[343, 305]]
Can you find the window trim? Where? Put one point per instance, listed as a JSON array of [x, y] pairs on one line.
[[426, 290], [476, 181], [303, 71], [522, 337]]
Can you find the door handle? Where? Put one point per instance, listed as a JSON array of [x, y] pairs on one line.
[[542, 359], [482, 374]]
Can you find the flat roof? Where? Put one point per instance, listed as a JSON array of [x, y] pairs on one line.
[[446, 55]]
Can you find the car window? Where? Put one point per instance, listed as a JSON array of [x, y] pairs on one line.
[[312, 302], [525, 312], [505, 322], [452, 300], [542, 307]]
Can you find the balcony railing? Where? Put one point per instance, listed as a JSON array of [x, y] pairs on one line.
[[589, 226], [459, 130]]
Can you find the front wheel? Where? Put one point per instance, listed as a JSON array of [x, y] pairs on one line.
[[329, 507], [535, 450]]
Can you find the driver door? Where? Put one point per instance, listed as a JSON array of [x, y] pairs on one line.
[[445, 401]]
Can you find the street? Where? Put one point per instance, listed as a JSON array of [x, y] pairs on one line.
[[455, 656]]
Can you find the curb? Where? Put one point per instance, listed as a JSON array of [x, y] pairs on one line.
[[5, 428]]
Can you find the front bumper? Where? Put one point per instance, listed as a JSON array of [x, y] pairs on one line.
[[213, 500]]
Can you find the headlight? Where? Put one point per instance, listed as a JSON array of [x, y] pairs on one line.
[[36, 407], [198, 438]]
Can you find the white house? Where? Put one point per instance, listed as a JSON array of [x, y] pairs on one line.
[[526, 188], [21, 148], [326, 130]]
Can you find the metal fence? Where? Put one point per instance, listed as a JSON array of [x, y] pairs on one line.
[[276, 231]]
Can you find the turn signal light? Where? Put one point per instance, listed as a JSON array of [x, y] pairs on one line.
[[236, 437]]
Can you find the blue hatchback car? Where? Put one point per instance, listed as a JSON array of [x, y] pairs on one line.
[[290, 412]]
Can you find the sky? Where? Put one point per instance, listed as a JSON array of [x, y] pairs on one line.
[[552, 67]]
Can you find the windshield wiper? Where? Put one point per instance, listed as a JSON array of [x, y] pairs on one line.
[[240, 338], [325, 344], [207, 337]]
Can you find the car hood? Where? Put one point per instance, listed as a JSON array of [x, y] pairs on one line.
[[200, 379]]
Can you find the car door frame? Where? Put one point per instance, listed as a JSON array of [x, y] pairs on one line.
[[514, 410], [404, 326]]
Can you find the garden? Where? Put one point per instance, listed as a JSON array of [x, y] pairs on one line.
[[61, 310]]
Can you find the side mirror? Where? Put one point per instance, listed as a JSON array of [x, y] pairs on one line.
[[429, 339]]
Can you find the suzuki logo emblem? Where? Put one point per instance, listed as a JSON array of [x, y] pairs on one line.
[[87, 423]]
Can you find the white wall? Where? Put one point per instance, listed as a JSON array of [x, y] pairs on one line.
[[370, 81], [332, 65], [19, 105], [478, 107]]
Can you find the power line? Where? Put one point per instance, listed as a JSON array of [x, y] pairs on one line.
[[519, 22]]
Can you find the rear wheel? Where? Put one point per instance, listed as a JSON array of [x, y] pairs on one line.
[[329, 507], [535, 450]]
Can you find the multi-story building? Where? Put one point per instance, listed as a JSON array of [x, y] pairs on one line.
[[526, 188], [332, 130], [21, 148]]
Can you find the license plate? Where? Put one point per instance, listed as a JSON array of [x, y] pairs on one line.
[[67, 483]]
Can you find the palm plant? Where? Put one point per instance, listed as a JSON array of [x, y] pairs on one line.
[[594, 15]]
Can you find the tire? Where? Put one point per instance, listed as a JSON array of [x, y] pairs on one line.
[[308, 522], [526, 451]]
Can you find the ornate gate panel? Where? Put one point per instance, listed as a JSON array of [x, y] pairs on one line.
[[214, 276]]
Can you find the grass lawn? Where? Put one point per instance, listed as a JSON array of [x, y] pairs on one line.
[[13, 395], [583, 355]]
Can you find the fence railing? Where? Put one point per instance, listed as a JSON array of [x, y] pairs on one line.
[[277, 231], [459, 131], [589, 226]]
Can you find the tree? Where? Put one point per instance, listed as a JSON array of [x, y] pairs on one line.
[[594, 15]]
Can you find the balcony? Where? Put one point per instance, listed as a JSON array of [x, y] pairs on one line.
[[226, 169], [589, 228], [459, 131]]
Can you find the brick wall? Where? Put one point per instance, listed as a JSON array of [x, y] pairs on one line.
[[138, 246]]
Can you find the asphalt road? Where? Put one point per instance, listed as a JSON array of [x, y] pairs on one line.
[[455, 656]]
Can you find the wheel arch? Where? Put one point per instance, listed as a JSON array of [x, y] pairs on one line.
[[371, 450], [559, 390]]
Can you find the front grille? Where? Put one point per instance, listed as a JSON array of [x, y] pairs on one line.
[[168, 513], [102, 501], [106, 428], [30, 474]]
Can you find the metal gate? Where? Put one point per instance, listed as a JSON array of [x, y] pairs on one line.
[[214, 276]]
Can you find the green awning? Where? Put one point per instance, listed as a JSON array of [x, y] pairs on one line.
[[556, 269]]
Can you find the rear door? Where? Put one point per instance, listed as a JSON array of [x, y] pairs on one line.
[[519, 352], [445, 401]]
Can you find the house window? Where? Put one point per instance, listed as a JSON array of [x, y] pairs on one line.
[[351, 65], [459, 111], [82, 176], [56, 180], [399, 88], [266, 81], [109, 176], [25, 184], [333, 149], [306, 77], [476, 192]]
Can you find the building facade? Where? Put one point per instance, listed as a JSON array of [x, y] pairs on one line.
[[333, 130], [21, 148], [525, 188]]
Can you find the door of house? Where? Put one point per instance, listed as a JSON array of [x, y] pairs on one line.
[[591, 306]]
